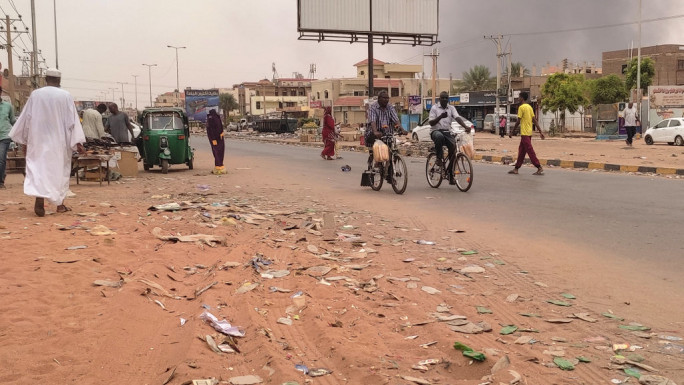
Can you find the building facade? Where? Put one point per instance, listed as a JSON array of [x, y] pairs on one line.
[[668, 59]]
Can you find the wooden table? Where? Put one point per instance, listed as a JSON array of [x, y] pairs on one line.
[[85, 161]]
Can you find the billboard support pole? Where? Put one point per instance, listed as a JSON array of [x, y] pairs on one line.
[[370, 50]]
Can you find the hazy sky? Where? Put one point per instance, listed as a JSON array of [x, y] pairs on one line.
[[102, 42]]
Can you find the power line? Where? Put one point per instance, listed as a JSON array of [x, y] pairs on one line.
[[596, 26]]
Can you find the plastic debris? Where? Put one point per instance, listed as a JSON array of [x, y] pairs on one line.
[[508, 330], [346, 168], [302, 368], [424, 242], [640, 328], [469, 352], [558, 303], [483, 310], [317, 372], [245, 380], [430, 290], [632, 372], [221, 326], [612, 316], [568, 296]]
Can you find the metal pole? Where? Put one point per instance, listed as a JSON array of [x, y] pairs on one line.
[[639, 94], [123, 97], [370, 50], [135, 77], [149, 69], [10, 78], [34, 54], [177, 82], [54, 7]]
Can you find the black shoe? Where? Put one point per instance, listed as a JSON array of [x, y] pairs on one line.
[[452, 181]]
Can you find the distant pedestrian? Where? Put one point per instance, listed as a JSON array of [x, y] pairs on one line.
[[526, 121], [7, 119], [502, 126], [51, 131], [92, 121], [119, 125], [631, 117], [337, 141], [218, 145], [328, 135]]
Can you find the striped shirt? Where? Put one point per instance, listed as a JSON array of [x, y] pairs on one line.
[[382, 117]]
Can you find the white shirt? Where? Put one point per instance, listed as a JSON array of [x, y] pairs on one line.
[[445, 123], [92, 124], [50, 128], [630, 115]]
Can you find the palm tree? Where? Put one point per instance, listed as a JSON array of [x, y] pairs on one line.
[[515, 70], [477, 78], [227, 103]]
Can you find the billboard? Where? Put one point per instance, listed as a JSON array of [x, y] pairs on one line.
[[665, 102], [199, 102], [389, 17], [415, 107]]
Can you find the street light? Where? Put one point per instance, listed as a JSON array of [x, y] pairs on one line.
[[177, 82], [135, 77], [149, 68]]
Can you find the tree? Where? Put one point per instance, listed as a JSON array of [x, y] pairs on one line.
[[227, 103], [563, 92], [477, 78], [515, 70], [607, 90], [647, 73]]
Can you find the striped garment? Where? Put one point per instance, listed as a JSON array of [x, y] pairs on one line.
[[382, 117]]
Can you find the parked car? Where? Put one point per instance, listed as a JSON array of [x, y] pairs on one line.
[[670, 131], [491, 123], [421, 133], [232, 126], [136, 131]]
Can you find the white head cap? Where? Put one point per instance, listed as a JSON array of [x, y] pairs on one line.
[[53, 72]]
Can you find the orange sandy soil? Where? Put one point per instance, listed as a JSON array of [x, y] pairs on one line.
[[369, 320]]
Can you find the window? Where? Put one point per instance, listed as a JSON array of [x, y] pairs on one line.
[[624, 68], [662, 124], [394, 92], [258, 105], [361, 73], [276, 92], [318, 95], [674, 123], [359, 93], [326, 94], [257, 93], [680, 65], [301, 93], [293, 92]]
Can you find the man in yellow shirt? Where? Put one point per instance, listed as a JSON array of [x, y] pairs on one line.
[[527, 121]]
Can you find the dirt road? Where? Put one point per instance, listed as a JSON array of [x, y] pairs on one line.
[[375, 303]]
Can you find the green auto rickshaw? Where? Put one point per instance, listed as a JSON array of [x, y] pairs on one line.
[[165, 138]]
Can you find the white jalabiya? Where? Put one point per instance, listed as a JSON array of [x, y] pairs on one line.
[[49, 127]]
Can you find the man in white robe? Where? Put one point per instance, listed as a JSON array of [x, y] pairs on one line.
[[50, 129]]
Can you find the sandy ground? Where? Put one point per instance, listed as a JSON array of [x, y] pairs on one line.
[[386, 304]]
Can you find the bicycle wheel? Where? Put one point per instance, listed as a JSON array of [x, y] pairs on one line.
[[432, 172], [463, 172], [400, 175], [377, 177]]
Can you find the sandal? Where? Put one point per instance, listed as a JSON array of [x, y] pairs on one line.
[[539, 172], [62, 209], [514, 171], [39, 207]]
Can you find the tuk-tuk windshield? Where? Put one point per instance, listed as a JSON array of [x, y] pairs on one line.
[[164, 121]]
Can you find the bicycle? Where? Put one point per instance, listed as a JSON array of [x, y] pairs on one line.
[[458, 162], [393, 170]]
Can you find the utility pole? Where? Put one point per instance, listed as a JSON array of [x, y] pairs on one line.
[[10, 66], [177, 83], [639, 94], [113, 89], [149, 69], [497, 40], [54, 8], [123, 98], [434, 54], [509, 92], [370, 51], [34, 54], [135, 77]]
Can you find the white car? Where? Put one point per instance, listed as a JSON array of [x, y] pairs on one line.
[[136, 131], [670, 131], [421, 133]]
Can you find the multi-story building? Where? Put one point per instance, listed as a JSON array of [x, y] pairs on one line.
[[170, 99], [668, 58], [266, 96]]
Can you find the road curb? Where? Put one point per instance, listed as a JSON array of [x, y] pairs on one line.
[[574, 164]]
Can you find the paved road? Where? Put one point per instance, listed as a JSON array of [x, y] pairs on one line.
[[627, 216]]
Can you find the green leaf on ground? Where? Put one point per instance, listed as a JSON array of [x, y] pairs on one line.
[[526, 330], [612, 316], [508, 330], [632, 372], [530, 315], [563, 363], [568, 296], [583, 359], [475, 355], [499, 262], [469, 252], [635, 328], [558, 303], [483, 310]]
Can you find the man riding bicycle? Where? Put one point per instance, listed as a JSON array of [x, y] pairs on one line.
[[441, 116], [382, 119]]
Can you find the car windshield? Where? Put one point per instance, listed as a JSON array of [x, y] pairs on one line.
[[164, 121]]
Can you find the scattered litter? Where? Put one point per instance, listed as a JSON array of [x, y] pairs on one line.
[[541, 284], [559, 320], [508, 330], [210, 240], [318, 271], [183, 321], [558, 303], [472, 269], [107, 283], [424, 242], [221, 326], [317, 372], [245, 380], [101, 230], [77, 247], [640, 328], [285, 321], [563, 363], [483, 310], [346, 168], [246, 287], [585, 317], [512, 298], [469, 352], [568, 296], [468, 252], [612, 316], [456, 231], [670, 338], [430, 290], [302, 368], [416, 380], [522, 340], [276, 289]]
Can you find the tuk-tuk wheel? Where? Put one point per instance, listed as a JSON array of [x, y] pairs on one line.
[[190, 164], [146, 166], [165, 166]]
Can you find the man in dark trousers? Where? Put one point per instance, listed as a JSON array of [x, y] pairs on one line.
[[218, 146], [526, 121]]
